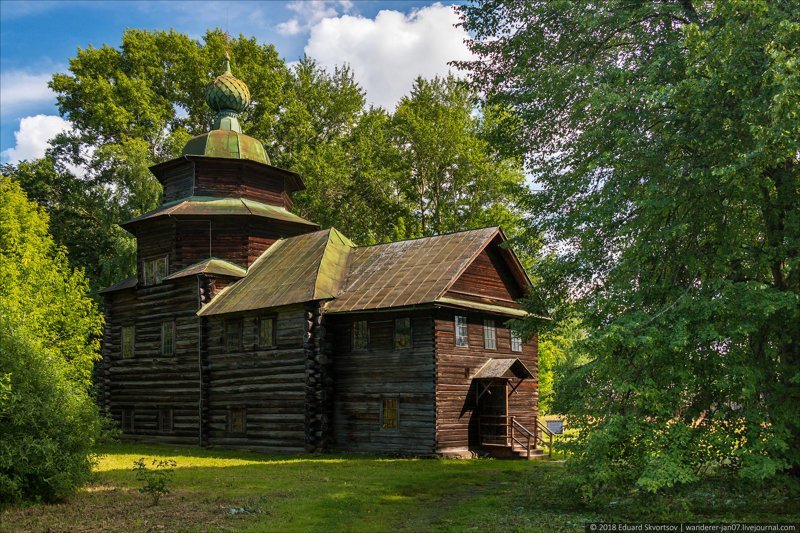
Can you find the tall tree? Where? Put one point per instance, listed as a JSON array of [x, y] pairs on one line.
[[49, 330], [665, 136]]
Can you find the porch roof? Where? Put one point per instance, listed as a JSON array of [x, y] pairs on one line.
[[503, 369]]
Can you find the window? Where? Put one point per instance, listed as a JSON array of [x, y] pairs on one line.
[[489, 334], [127, 341], [233, 335], [266, 332], [402, 333], [155, 270], [168, 337], [389, 413], [165, 420], [360, 335], [461, 331], [237, 420], [127, 419], [516, 341]]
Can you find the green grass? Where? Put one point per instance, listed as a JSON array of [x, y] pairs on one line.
[[214, 490]]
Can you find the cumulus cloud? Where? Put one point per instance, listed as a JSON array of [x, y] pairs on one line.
[[387, 53], [33, 137], [19, 89], [309, 13]]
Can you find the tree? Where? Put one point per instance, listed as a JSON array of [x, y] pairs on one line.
[[665, 138], [49, 331]]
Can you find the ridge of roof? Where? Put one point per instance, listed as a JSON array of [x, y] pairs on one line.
[[212, 265]]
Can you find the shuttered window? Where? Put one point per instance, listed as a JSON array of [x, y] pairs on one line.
[[266, 332], [360, 335], [155, 270], [489, 334], [402, 333], [165, 424], [516, 341], [462, 332], [168, 337], [237, 420], [127, 341], [389, 413], [233, 335]]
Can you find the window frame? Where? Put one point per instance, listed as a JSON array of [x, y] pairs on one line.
[[458, 337], [273, 342], [516, 341], [150, 271], [232, 324], [489, 334], [162, 426], [360, 346], [170, 324], [410, 334], [123, 344], [229, 424], [395, 409], [128, 420]]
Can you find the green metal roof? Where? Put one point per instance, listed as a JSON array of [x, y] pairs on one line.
[[210, 206], [210, 266], [128, 283], [294, 270], [227, 143]]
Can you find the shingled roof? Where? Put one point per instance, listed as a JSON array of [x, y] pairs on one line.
[[325, 265]]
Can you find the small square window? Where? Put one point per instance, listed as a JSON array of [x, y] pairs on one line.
[[233, 335], [165, 420], [360, 335], [237, 420], [154, 270], [266, 332], [127, 341], [489, 334], [168, 337], [462, 332], [516, 341], [402, 333], [127, 419], [389, 413]]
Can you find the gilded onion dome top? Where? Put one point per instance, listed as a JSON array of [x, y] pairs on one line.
[[228, 96]]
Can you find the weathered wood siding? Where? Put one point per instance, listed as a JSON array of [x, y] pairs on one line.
[[178, 181], [456, 422], [362, 379], [270, 384], [241, 179], [487, 278], [150, 381]]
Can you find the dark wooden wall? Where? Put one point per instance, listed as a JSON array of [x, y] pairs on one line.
[[487, 278], [455, 365], [269, 383], [363, 379], [150, 381], [178, 181]]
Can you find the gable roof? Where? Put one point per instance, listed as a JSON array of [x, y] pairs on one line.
[[503, 369], [404, 273], [210, 266], [294, 270], [326, 265]]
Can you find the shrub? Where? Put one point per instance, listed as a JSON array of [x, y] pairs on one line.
[[156, 480]]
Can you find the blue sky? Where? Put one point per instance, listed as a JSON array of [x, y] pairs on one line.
[[387, 43]]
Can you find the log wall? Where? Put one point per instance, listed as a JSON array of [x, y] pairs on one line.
[[362, 379], [487, 278], [456, 414], [150, 381]]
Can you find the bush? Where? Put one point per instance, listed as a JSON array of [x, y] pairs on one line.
[[48, 343]]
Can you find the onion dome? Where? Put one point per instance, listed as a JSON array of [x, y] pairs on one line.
[[228, 96]]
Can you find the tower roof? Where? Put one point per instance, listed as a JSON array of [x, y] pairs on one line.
[[228, 96]]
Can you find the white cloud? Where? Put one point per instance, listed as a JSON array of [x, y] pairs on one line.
[[309, 13], [19, 89], [389, 52], [33, 137]]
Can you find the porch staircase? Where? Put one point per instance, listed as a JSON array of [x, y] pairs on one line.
[[505, 437]]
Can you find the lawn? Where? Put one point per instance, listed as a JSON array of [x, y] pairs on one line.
[[224, 490]]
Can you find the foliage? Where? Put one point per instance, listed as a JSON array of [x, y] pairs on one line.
[[664, 136], [427, 168], [226, 489], [48, 343], [557, 356], [156, 479]]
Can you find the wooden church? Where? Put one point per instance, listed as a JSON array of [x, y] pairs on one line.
[[248, 326]]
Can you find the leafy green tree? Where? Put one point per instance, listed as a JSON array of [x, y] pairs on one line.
[[665, 137], [49, 330]]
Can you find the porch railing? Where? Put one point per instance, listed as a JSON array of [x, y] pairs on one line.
[[508, 431]]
